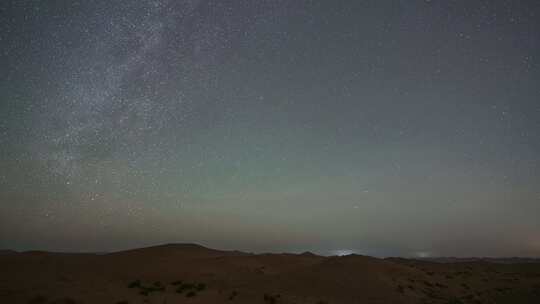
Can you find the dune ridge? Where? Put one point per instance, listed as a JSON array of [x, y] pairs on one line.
[[191, 273]]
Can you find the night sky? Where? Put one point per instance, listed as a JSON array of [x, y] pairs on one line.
[[387, 128]]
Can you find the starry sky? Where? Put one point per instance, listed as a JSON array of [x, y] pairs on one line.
[[387, 128]]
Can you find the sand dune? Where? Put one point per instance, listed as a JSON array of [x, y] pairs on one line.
[[189, 273]]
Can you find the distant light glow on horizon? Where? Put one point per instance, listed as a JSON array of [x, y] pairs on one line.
[[423, 254], [342, 252]]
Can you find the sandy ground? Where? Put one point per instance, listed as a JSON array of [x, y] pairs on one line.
[[186, 273]]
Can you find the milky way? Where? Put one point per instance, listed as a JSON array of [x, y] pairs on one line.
[[377, 127]]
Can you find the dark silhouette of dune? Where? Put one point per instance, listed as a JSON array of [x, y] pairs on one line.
[[190, 273], [4, 252]]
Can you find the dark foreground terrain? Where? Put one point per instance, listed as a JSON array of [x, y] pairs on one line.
[[187, 273]]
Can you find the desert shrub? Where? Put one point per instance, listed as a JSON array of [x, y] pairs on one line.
[[160, 288], [135, 284], [270, 299], [233, 295], [439, 285], [191, 294], [428, 284], [401, 289], [157, 286], [187, 286], [200, 287], [146, 290], [176, 283], [454, 301], [322, 302], [149, 290], [39, 299]]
